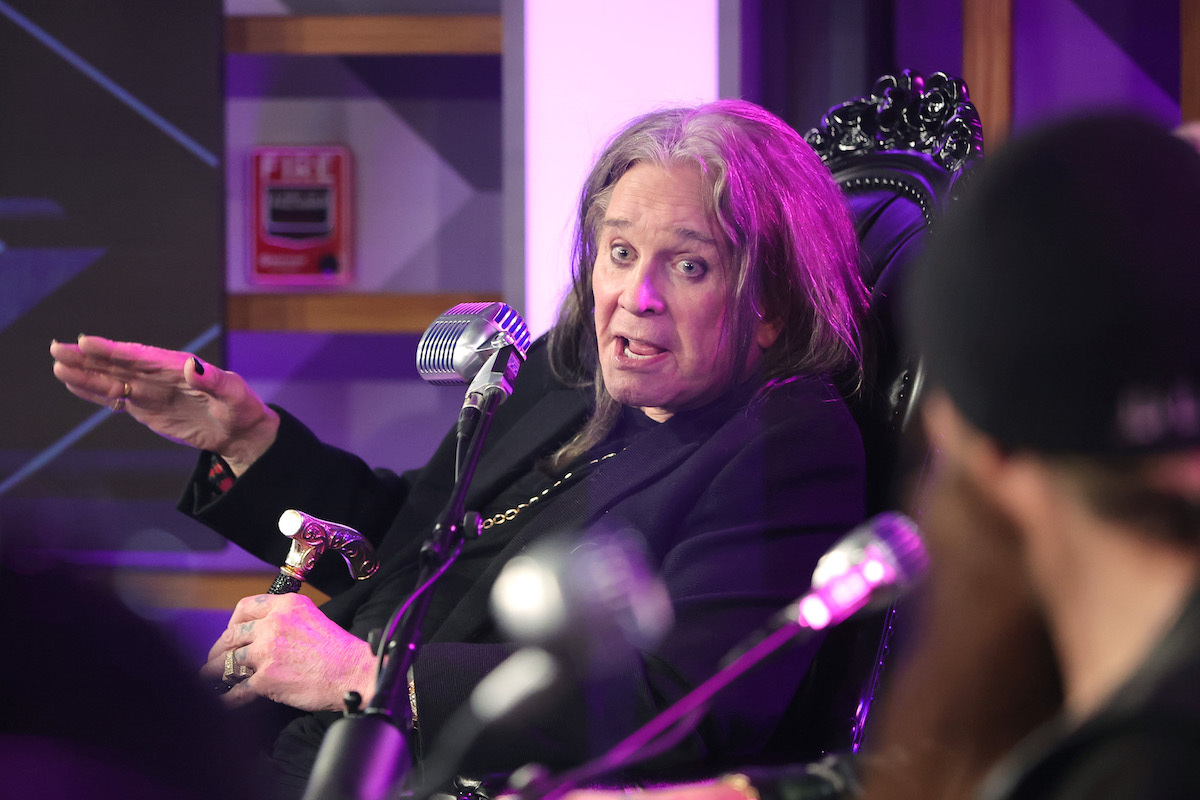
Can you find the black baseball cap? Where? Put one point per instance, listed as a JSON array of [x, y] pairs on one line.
[[1059, 303]]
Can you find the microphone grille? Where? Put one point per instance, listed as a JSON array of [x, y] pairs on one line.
[[449, 352], [436, 351], [886, 550], [899, 536]]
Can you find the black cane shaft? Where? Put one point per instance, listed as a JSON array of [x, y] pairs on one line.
[[284, 584]]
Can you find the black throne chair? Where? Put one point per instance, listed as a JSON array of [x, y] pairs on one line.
[[901, 154]]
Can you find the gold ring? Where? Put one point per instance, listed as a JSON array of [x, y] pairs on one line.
[[118, 405], [227, 675], [234, 672]]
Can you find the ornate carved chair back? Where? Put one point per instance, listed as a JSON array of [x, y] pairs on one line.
[[901, 154]]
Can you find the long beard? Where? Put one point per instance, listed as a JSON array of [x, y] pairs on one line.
[[979, 672]]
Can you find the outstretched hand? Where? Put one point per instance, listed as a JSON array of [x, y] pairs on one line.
[[294, 655], [174, 394]]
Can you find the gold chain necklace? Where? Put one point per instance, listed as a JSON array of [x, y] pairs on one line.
[[509, 514]]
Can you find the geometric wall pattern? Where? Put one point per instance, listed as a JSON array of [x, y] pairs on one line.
[[126, 217], [111, 222], [1073, 55]]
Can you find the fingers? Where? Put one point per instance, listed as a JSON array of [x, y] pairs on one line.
[[231, 672], [82, 377], [232, 648], [120, 361], [241, 693], [246, 622], [102, 370], [239, 631], [217, 665], [288, 651], [95, 387], [258, 606], [67, 353], [212, 381], [131, 357]]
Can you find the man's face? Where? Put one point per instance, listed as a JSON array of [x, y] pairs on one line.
[[660, 286]]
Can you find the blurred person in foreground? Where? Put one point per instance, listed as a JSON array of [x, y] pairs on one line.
[[1058, 316], [686, 391], [1058, 656], [97, 702]]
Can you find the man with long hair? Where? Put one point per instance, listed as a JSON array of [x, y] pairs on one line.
[[687, 391], [1058, 647]]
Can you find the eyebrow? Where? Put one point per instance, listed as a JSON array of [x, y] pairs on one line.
[[683, 233]]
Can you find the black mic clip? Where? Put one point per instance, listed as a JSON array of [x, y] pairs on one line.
[[494, 379], [498, 373]]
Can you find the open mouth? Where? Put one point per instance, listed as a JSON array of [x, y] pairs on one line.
[[633, 348]]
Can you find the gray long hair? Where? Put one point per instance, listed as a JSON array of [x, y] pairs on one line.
[[786, 231]]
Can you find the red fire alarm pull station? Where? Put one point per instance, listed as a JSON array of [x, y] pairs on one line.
[[301, 217]]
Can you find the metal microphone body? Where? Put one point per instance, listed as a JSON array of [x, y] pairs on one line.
[[579, 608], [481, 344], [869, 566], [458, 343], [866, 569]]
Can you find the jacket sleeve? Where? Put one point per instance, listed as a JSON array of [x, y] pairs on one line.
[[299, 471]]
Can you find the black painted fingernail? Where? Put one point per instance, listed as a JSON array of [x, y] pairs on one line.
[[196, 365]]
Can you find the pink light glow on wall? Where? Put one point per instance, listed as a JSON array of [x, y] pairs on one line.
[[589, 68]]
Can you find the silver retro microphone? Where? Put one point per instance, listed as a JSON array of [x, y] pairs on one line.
[[481, 344], [460, 341]]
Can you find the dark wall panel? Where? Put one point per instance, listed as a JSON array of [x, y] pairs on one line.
[[111, 222]]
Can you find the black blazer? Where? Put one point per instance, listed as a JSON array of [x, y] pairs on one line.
[[736, 502]]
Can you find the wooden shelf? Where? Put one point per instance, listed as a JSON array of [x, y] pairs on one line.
[[209, 590], [342, 312], [358, 34]]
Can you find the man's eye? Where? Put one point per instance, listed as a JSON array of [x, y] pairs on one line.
[[620, 252], [692, 268]]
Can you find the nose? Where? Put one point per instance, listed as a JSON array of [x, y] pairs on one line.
[[640, 294]]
